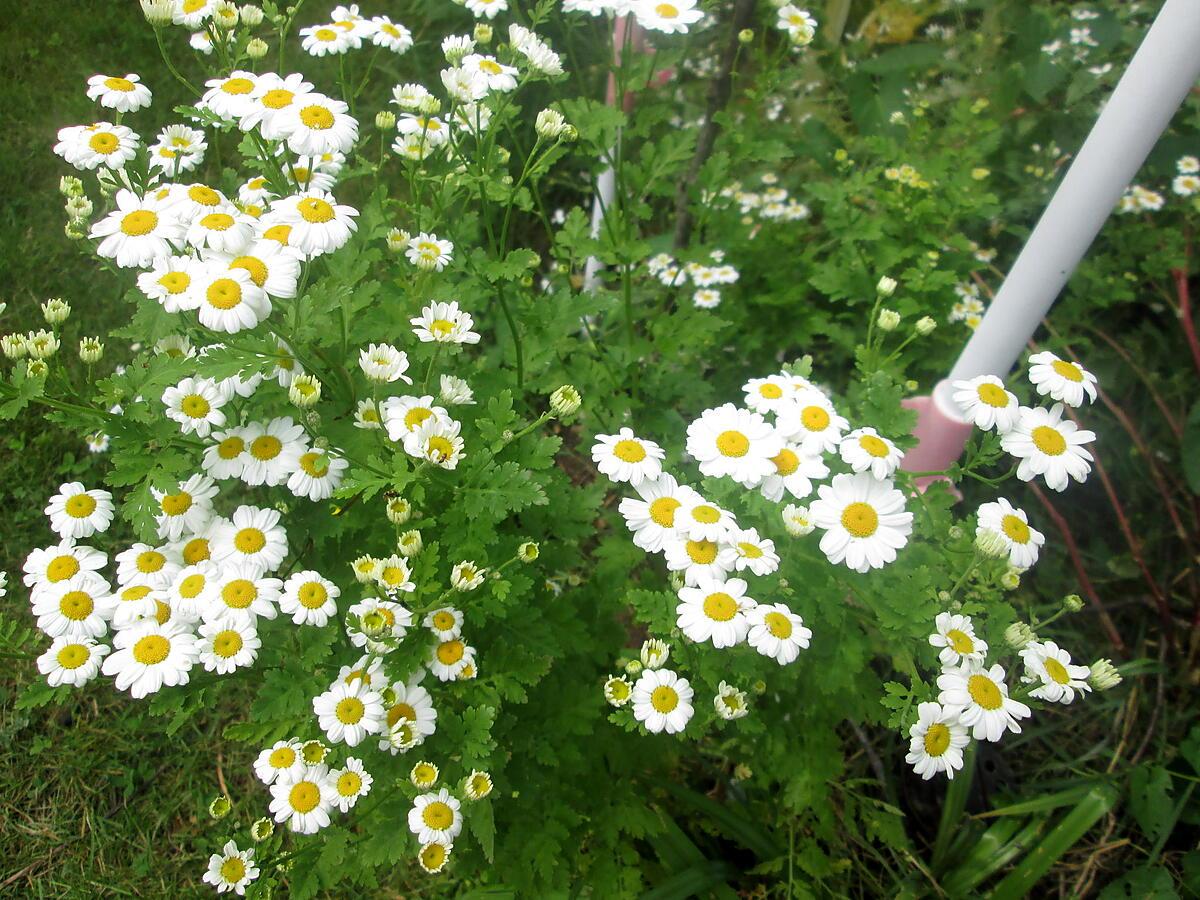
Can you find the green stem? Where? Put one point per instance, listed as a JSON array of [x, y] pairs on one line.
[[162, 49], [953, 806]]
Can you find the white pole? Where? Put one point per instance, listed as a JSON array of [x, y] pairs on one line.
[[1154, 85]]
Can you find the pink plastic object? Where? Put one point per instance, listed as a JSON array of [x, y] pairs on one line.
[[941, 436]]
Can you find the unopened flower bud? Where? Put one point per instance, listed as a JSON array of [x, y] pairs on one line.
[[13, 346], [565, 401], [90, 350], [158, 12], [257, 48], [888, 320], [655, 653], [926, 325], [220, 807], [1072, 603], [797, 521], [252, 16], [742, 772], [262, 829], [528, 552], [430, 105], [549, 124], [373, 623], [305, 391], [398, 239], [398, 510], [570, 134], [483, 33], [41, 344], [37, 368], [1103, 675], [75, 230], [886, 286], [410, 543], [746, 36], [56, 311], [1018, 635], [633, 667], [991, 543], [70, 186], [1011, 580], [385, 120], [78, 208]]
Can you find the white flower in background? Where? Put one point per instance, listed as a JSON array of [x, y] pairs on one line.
[[444, 323], [730, 703], [1062, 380], [394, 575], [124, 95], [390, 35], [409, 96], [138, 231], [75, 512], [349, 712], [618, 691], [798, 23], [864, 520], [318, 474], [494, 75], [624, 457], [865, 450], [654, 653], [670, 17], [734, 443], [1185, 185], [454, 391], [195, 403], [404, 415], [1049, 446], [383, 364], [1049, 666], [434, 855], [272, 267], [651, 517], [428, 252], [1012, 525], [768, 395], [986, 403], [486, 9], [435, 817], [231, 869], [304, 802], [936, 743], [192, 591], [662, 701], [147, 656], [72, 660], [88, 147], [225, 232], [380, 624], [466, 576], [955, 635], [230, 97], [325, 40], [540, 56], [414, 705], [777, 632], [980, 698], [714, 611]]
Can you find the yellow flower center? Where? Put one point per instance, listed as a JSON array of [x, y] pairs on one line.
[[176, 504], [238, 86], [443, 621], [203, 195], [960, 641], [309, 463], [702, 553], [217, 222], [415, 416], [873, 445], [778, 624], [76, 605], [1067, 370], [937, 739], [134, 592], [315, 210], [349, 784], [400, 711], [750, 551], [80, 506], [282, 758], [770, 391], [984, 692], [162, 612], [151, 561], [104, 142], [438, 815], [433, 856], [278, 233], [195, 550], [191, 587], [992, 395], [1056, 670], [224, 293], [786, 462], [61, 568], [233, 870], [664, 699], [450, 652], [250, 540], [732, 443], [266, 447], [662, 511], [253, 266], [231, 448], [312, 595], [139, 222], [706, 514], [304, 796], [226, 644], [489, 66], [1017, 531], [666, 11], [151, 650], [325, 34], [316, 117], [118, 84], [174, 282], [72, 656], [277, 98], [814, 418], [860, 519], [629, 451], [195, 406], [439, 448], [720, 607], [1049, 440], [239, 593], [349, 710]]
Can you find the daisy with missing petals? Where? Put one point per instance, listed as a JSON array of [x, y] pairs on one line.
[[252, 538], [138, 231], [618, 691], [428, 252], [768, 395], [350, 782], [444, 323], [73, 661], [744, 549], [626, 457], [414, 706], [810, 420], [450, 659], [305, 802], [309, 598], [75, 512], [1065, 381], [734, 443], [865, 450], [651, 517], [437, 441], [124, 95], [349, 712], [670, 17], [955, 635], [777, 632], [383, 364], [1049, 446], [980, 698], [714, 611], [272, 267], [864, 520], [148, 655], [696, 559], [195, 403], [226, 645], [795, 472], [1049, 666], [424, 775], [662, 701], [187, 509], [435, 817], [229, 301], [281, 760], [1012, 525], [936, 742], [730, 703], [318, 474], [231, 869], [319, 224], [986, 403]]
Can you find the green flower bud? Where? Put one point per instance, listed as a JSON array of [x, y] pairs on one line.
[[219, 808]]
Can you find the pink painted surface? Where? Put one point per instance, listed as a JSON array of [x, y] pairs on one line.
[[940, 442]]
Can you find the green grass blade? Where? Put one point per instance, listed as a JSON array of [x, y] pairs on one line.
[[696, 879], [995, 849], [735, 826]]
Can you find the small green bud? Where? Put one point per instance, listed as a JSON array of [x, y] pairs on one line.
[[219, 808]]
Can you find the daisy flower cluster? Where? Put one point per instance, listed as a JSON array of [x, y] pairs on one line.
[[1043, 442], [706, 278], [798, 24], [973, 699], [676, 17], [968, 308], [769, 202], [350, 30], [1187, 182]]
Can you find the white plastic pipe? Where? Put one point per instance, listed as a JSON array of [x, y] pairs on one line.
[[1154, 85]]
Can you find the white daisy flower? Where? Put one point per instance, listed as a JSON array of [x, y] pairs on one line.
[[445, 622], [744, 549], [1049, 446], [272, 267], [226, 458], [390, 35], [226, 645], [404, 415], [228, 299], [706, 298], [494, 75], [315, 125], [350, 782], [734, 443], [383, 364], [232, 96], [122, 94], [696, 559], [768, 395], [349, 712], [252, 539], [242, 596], [673, 17], [810, 420], [449, 659], [428, 252], [231, 869], [714, 611], [980, 698], [444, 323], [225, 231], [170, 282], [414, 706], [435, 817], [147, 656], [394, 575], [155, 567], [662, 701], [777, 632], [651, 518], [281, 760], [454, 391], [986, 403], [309, 598], [795, 472], [699, 519], [318, 474], [1049, 666], [395, 621], [654, 653], [865, 450], [193, 590], [72, 660], [138, 231], [304, 802], [864, 520], [319, 224], [88, 147], [75, 512], [192, 13], [936, 743], [195, 403], [187, 509], [274, 94], [955, 635], [437, 441], [52, 565], [618, 691], [135, 603], [326, 40], [434, 855], [1012, 526], [272, 451], [366, 416], [1064, 381], [730, 703]]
